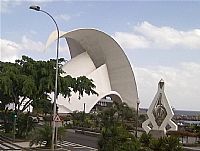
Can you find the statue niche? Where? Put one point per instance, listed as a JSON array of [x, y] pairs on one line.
[[159, 111]]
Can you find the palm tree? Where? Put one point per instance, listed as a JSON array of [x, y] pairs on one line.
[[157, 145], [125, 114], [117, 138], [171, 144], [145, 139], [25, 124], [165, 144], [42, 135], [114, 134]]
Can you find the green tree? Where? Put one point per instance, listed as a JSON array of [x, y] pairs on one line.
[[196, 128], [171, 144], [165, 144], [119, 113], [4, 100], [77, 118], [117, 138], [125, 113], [157, 145], [42, 107], [11, 82], [114, 133], [8, 117], [145, 139], [43, 135], [25, 124], [27, 80]]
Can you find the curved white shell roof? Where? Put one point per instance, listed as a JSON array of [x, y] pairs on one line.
[[99, 57]]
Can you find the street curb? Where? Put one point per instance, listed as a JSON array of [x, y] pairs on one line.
[[191, 149], [88, 133]]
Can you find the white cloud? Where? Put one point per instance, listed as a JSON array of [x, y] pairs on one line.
[[10, 51], [146, 35], [31, 45], [7, 5], [63, 17], [181, 84], [131, 41]]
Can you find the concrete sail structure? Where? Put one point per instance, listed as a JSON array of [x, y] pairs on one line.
[[159, 113], [99, 57]]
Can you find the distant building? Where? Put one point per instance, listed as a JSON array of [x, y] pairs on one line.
[[102, 104], [187, 115], [181, 117]]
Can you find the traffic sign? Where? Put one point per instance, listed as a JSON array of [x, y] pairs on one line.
[[57, 118]]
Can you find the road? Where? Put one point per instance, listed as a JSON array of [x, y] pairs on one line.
[[79, 142], [71, 142]]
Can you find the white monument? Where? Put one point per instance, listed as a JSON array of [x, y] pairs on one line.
[[159, 113]]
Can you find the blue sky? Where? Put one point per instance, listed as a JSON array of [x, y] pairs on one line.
[[161, 39]]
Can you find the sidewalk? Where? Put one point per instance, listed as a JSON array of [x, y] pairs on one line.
[[23, 144], [26, 146]]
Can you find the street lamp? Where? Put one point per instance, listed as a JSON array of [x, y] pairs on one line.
[[136, 129], [37, 8]]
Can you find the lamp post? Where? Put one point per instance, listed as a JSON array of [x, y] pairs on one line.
[[137, 109], [14, 126], [83, 120], [37, 8]]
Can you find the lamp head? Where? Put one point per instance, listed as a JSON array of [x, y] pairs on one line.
[[37, 8]]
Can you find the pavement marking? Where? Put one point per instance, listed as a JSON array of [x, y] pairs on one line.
[[3, 147], [78, 147], [74, 145], [7, 146]]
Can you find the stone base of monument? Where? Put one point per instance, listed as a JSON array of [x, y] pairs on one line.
[[157, 133]]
